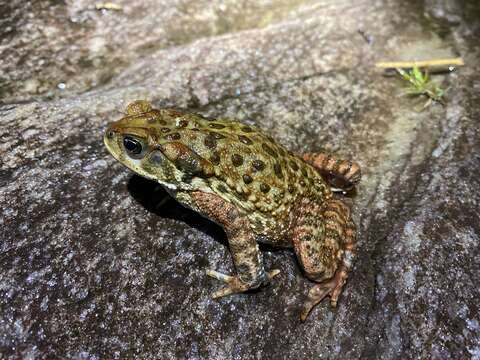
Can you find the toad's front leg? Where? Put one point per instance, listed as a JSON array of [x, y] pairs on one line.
[[241, 240]]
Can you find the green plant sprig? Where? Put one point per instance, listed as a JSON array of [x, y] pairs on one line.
[[421, 84]]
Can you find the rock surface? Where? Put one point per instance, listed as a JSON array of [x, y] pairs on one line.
[[95, 263]]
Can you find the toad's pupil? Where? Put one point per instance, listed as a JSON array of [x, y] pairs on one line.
[[132, 145]]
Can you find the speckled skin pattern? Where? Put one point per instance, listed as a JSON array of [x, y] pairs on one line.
[[252, 186]]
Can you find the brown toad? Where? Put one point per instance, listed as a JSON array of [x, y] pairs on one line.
[[250, 185]]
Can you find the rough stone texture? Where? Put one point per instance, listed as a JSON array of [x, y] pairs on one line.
[[95, 264]]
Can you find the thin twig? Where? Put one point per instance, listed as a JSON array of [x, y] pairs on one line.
[[421, 64], [108, 6]]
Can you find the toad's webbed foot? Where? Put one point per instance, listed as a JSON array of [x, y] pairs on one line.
[[234, 284], [332, 287]]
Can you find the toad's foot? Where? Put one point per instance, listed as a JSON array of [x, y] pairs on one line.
[[331, 287], [234, 284], [341, 174]]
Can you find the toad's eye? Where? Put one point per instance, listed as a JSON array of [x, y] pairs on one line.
[[132, 145]]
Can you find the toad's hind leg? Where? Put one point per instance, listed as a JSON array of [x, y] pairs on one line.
[[243, 246], [339, 173], [324, 241]]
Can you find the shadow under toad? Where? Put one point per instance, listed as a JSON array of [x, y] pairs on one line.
[[155, 199]]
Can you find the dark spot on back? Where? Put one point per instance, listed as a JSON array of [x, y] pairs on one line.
[[304, 171], [217, 135], [282, 151], [247, 179], [182, 123], [302, 182], [278, 170], [173, 136], [293, 165], [264, 188], [222, 188], [291, 188], [245, 140], [258, 165], [216, 126], [247, 129], [269, 150], [237, 160], [215, 158], [210, 142]]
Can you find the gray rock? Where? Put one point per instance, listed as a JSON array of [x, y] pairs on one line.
[[95, 264]]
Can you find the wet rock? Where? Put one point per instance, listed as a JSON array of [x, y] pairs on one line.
[[99, 263]]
